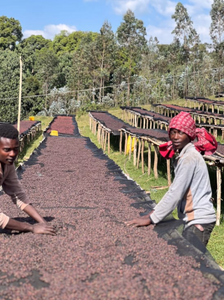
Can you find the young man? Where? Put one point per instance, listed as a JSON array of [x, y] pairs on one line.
[[190, 191], [9, 149]]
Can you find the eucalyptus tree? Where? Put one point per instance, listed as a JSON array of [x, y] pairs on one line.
[[131, 38], [103, 51], [184, 30], [217, 30], [10, 33], [79, 76], [188, 37]]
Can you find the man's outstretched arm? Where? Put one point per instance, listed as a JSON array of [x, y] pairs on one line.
[[42, 227]]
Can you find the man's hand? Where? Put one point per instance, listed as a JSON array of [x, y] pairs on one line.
[[141, 221], [43, 228], [138, 222]]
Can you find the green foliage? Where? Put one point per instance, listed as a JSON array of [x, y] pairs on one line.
[[10, 33], [87, 107], [9, 87], [45, 68], [217, 25], [28, 49], [33, 104], [65, 42], [131, 38]]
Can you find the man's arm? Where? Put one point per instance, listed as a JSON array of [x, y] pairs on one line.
[[183, 177], [42, 228], [31, 211]]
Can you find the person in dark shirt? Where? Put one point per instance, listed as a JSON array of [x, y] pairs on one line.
[[9, 149]]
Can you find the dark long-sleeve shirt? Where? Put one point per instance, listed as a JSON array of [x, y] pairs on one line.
[[12, 187]]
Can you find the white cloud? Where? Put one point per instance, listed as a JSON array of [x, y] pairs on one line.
[[202, 24], [49, 31], [202, 4], [163, 32], [137, 6], [164, 7]]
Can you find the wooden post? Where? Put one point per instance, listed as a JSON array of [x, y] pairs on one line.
[[168, 171], [135, 150], [105, 140], [126, 142], [20, 94], [102, 137], [130, 146], [120, 145], [219, 183], [98, 133], [108, 142], [143, 147], [149, 158], [139, 150], [95, 126], [155, 162]]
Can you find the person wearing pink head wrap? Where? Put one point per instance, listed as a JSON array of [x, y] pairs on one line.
[[205, 142], [190, 190]]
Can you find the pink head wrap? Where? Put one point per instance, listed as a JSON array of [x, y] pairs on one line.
[[184, 122]]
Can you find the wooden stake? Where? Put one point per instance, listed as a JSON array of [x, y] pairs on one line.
[[143, 147], [120, 146], [20, 94], [168, 172], [149, 158], [219, 183], [155, 162], [126, 142], [130, 146], [139, 150], [135, 150]]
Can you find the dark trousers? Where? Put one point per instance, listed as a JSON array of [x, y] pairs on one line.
[[192, 233]]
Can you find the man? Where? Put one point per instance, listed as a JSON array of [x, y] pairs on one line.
[[190, 191], [9, 149]]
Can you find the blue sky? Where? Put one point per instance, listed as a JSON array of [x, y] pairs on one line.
[[49, 17]]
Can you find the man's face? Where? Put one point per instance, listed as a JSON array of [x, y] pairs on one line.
[[179, 139], [9, 149]]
